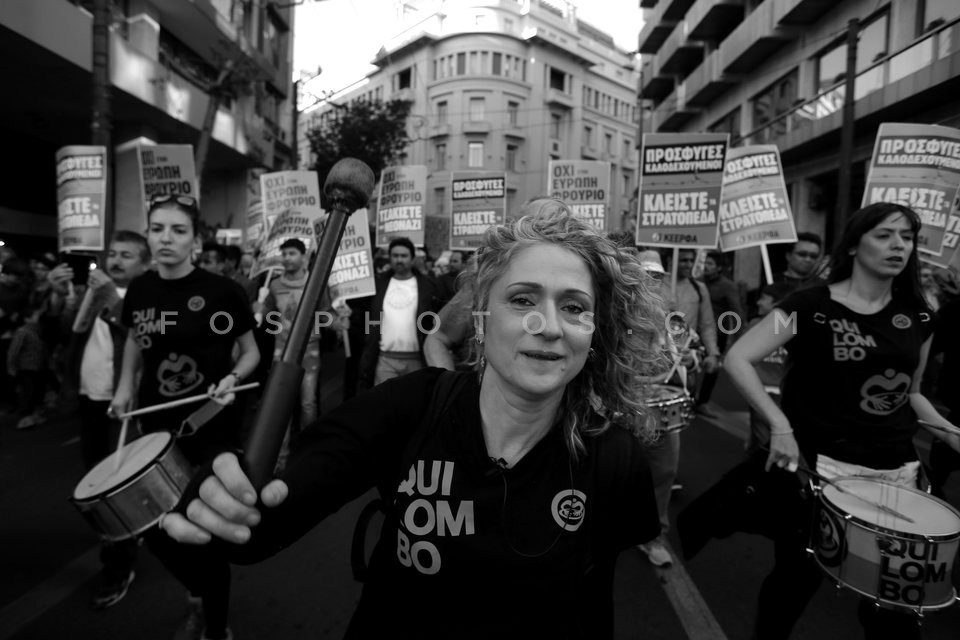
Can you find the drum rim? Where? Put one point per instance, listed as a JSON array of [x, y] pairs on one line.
[[106, 493], [870, 526], [890, 604], [683, 397]]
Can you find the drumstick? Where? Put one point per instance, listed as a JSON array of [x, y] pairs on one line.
[[679, 357], [942, 428], [118, 456], [877, 505], [183, 401]]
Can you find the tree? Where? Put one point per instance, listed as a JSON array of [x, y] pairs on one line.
[[372, 131]]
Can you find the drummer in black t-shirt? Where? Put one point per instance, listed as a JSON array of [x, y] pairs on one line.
[[183, 324], [851, 398]]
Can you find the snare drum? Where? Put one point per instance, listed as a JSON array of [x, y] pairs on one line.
[[671, 407], [150, 481], [898, 564]]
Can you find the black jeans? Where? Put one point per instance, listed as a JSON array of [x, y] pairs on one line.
[[794, 581], [98, 439]]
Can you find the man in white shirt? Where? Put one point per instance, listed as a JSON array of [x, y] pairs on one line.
[[402, 313], [97, 342]]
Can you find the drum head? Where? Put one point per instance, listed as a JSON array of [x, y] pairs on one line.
[[135, 457], [930, 516], [659, 394]]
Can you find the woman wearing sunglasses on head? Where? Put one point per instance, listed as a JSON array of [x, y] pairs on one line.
[[183, 324]]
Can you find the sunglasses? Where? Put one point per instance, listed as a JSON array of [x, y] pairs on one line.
[[184, 201]]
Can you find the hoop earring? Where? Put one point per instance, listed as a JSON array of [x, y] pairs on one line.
[[591, 354], [483, 366]]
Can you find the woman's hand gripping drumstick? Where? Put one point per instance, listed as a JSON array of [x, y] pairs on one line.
[[182, 401], [226, 506]]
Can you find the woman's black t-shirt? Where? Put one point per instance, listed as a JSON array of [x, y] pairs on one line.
[[846, 390], [470, 550], [186, 329]]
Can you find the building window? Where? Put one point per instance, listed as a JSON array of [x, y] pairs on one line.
[[729, 123], [474, 63], [556, 126], [404, 78], [513, 113], [461, 64], [625, 184], [934, 13], [627, 147], [439, 196], [511, 160], [440, 156], [442, 112], [477, 111], [588, 136], [871, 47], [776, 100], [475, 154], [497, 63], [557, 80]]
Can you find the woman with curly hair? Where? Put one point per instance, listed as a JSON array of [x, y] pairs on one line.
[[857, 346], [512, 488]]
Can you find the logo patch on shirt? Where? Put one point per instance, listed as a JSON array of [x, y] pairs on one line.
[[569, 508], [901, 321], [196, 303], [819, 318]]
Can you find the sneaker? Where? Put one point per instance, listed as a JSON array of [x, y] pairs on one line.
[[657, 553], [192, 626], [111, 592], [229, 635]]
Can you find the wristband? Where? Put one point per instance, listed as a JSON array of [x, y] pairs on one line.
[[782, 433], [236, 376]]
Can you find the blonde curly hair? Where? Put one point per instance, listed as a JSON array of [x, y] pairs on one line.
[[629, 339]]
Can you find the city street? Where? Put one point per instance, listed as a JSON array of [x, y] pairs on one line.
[[50, 560]]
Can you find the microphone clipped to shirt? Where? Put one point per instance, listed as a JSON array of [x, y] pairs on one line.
[[498, 466]]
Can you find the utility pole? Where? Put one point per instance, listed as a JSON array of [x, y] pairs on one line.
[[846, 132], [101, 121]]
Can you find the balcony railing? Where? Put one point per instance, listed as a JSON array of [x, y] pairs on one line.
[[936, 45]]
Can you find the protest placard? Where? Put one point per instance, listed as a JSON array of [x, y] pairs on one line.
[[681, 182], [754, 208], [168, 168], [81, 197], [292, 199], [400, 208], [478, 201], [352, 274], [585, 186], [917, 165], [254, 226]]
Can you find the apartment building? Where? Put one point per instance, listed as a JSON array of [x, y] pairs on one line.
[[165, 55], [505, 85], [772, 72]]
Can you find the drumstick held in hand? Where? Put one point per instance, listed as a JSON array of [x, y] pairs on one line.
[[835, 485], [118, 456], [183, 401]]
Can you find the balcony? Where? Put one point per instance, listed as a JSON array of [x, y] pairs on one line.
[[806, 11], [654, 32], [656, 85], [648, 4], [477, 126], [438, 130], [679, 55], [673, 113], [898, 86], [406, 95], [558, 98], [757, 37], [708, 82], [588, 152], [676, 9], [713, 20]]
